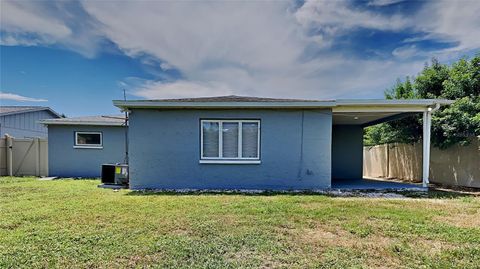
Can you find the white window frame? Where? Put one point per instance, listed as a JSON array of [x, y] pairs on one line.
[[229, 160], [88, 146]]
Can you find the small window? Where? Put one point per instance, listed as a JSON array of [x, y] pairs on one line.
[[88, 140], [230, 141]]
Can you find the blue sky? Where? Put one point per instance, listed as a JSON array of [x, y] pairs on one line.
[[77, 56]]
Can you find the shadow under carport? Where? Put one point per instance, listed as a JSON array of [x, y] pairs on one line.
[[372, 184]]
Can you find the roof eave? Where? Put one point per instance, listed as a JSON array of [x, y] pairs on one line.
[[90, 123], [392, 102], [213, 105]]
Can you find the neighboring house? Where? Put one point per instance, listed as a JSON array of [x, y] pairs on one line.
[[77, 147], [234, 142], [22, 121]]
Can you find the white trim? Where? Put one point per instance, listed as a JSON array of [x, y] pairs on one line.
[[242, 161], [220, 141], [391, 102], [239, 142], [154, 104], [391, 108], [97, 146], [283, 104], [92, 123], [87, 147]]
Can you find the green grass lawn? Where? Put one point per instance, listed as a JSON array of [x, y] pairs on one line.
[[72, 223]]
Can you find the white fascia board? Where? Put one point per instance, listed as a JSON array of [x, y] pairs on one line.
[[212, 105], [417, 105], [388, 102], [369, 108], [94, 123], [341, 105]]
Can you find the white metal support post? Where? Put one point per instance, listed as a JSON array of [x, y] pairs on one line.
[[427, 123]]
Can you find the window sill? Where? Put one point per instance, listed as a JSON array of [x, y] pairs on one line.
[[88, 147], [230, 161]]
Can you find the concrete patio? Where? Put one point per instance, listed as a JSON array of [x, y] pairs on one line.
[[373, 184]]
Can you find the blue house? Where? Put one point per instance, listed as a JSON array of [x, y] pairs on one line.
[[77, 147], [22, 121], [235, 142]]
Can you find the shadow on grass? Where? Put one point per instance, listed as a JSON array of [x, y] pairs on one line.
[[431, 194], [154, 192], [437, 194]]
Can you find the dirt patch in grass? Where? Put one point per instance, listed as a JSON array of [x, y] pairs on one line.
[[373, 250], [460, 220]]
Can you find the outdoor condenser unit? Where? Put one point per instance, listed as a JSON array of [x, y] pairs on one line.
[[115, 174]]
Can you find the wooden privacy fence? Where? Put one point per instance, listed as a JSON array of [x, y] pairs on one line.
[[23, 156], [456, 165]]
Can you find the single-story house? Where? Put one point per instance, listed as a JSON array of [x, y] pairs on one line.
[[235, 142], [77, 147], [22, 121]]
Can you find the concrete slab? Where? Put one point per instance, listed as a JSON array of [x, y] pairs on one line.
[[112, 186], [47, 178], [370, 184]]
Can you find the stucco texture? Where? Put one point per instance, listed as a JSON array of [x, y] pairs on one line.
[[66, 161], [295, 150]]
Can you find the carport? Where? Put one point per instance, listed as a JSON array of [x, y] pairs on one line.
[[349, 119]]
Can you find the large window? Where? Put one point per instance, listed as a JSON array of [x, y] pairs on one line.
[[88, 140], [230, 141]]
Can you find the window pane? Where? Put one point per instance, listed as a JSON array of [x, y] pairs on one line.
[[210, 139], [250, 140], [230, 139], [88, 139]]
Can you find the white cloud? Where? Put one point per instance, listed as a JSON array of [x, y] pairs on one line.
[[405, 52], [334, 17], [383, 2], [454, 21], [19, 98], [36, 23], [246, 48], [26, 17], [180, 89]]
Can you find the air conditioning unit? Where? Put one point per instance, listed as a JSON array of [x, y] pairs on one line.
[[115, 174]]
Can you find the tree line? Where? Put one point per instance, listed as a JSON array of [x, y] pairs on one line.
[[452, 124]]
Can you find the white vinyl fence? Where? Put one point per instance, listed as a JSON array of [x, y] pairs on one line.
[[23, 156]]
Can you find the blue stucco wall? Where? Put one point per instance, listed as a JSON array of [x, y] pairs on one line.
[[165, 150], [347, 152], [25, 124], [66, 161]]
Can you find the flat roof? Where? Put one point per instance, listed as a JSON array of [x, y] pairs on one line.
[[102, 120], [232, 101]]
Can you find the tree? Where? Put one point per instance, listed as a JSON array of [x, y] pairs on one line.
[[451, 124]]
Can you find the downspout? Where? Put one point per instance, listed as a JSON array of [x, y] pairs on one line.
[[126, 160], [437, 107]]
